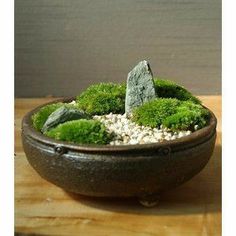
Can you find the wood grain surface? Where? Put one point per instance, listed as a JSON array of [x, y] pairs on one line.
[[62, 46], [44, 209]]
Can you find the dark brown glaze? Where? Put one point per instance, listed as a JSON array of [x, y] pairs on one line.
[[118, 171]]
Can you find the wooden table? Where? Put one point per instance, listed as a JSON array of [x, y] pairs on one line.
[[42, 208]]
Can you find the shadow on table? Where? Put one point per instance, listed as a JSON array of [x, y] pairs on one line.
[[199, 195]]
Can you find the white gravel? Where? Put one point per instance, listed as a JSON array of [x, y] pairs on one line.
[[73, 102], [127, 132]]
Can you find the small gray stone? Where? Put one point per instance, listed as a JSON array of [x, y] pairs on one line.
[[62, 115], [140, 86]]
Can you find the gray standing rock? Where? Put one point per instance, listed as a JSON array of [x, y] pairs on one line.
[[140, 86], [62, 115]]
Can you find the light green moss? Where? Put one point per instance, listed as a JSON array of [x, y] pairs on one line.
[[187, 116], [81, 131], [39, 118], [169, 89], [153, 113], [175, 108], [102, 99], [171, 113]]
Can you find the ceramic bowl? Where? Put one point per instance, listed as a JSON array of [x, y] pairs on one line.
[[143, 171]]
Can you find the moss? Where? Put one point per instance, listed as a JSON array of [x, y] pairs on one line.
[[39, 118], [186, 120], [81, 131], [172, 113], [153, 113], [169, 89], [187, 116], [175, 108], [102, 99]]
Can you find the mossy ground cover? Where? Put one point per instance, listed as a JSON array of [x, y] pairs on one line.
[[171, 113], [81, 131], [153, 113], [169, 89], [188, 116], [175, 108], [103, 98], [39, 118]]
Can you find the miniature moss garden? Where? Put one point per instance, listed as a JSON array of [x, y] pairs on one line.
[[144, 110]]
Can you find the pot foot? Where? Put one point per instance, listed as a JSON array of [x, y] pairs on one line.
[[149, 200]]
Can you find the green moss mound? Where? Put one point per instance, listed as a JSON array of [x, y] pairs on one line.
[[153, 113], [175, 108], [81, 131], [169, 89], [171, 113], [39, 118], [103, 98], [188, 116]]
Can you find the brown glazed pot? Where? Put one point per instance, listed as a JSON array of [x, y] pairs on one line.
[[142, 171]]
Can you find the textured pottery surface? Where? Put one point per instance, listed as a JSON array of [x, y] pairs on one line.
[[118, 171]]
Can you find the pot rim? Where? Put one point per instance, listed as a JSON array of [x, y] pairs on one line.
[[194, 138]]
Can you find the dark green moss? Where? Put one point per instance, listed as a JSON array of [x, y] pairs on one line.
[[169, 89], [39, 118], [102, 99], [81, 131], [171, 113], [153, 113]]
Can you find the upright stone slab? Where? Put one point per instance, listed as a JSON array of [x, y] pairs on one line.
[[62, 115], [140, 86]]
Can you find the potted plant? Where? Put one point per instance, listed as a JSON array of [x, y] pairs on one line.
[[120, 140]]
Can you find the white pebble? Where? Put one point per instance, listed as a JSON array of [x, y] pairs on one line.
[[181, 134], [73, 103], [133, 141], [127, 132]]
